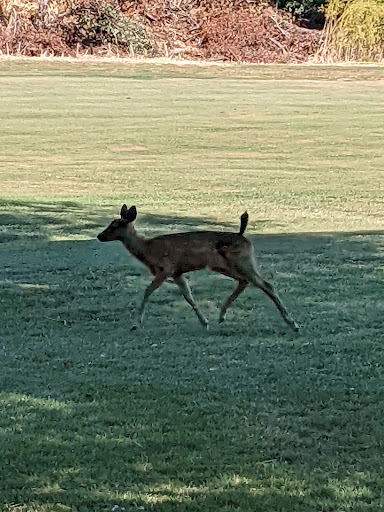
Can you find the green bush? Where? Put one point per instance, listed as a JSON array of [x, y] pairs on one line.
[[309, 9], [104, 23]]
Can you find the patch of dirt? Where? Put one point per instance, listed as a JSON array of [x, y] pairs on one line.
[[128, 149]]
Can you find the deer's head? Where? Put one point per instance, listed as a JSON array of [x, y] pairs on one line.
[[117, 228]]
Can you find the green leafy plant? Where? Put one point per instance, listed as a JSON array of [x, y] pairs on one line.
[[308, 9], [104, 23]]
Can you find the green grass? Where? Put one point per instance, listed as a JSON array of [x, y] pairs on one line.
[[248, 417]]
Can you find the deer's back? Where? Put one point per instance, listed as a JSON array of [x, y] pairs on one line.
[[186, 252]]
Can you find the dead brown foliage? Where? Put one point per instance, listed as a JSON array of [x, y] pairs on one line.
[[255, 37], [229, 30]]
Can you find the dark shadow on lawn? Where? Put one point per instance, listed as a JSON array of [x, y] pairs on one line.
[[39, 220], [302, 265], [169, 418]]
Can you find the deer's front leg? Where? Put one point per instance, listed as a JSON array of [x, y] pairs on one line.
[[183, 285], [158, 281]]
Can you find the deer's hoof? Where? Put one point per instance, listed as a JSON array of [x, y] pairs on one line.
[[295, 326]]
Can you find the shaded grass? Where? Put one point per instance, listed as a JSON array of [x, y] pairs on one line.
[[248, 417]]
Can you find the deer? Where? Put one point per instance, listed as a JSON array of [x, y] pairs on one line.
[[169, 257]]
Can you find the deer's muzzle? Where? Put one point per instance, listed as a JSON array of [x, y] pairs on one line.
[[101, 237]]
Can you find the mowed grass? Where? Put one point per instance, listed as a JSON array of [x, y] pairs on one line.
[[248, 417]]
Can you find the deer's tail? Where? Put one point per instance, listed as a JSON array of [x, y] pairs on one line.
[[243, 222]]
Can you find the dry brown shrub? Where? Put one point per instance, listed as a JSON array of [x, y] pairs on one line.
[[243, 35], [67, 27], [30, 28], [235, 30]]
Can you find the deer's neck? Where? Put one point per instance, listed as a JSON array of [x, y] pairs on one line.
[[135, 243]]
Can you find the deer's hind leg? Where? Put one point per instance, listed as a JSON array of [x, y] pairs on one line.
[[241, 286], [183, 285], [253, 277]]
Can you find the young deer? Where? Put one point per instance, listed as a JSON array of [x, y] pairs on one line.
[[171, 256]]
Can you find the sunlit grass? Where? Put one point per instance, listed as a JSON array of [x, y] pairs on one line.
[[249, 417], [199, 147]]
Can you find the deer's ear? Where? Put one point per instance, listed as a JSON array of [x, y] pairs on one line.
[[128, 215], [123, 211]]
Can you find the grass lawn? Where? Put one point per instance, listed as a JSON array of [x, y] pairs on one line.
[[248, 417]]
